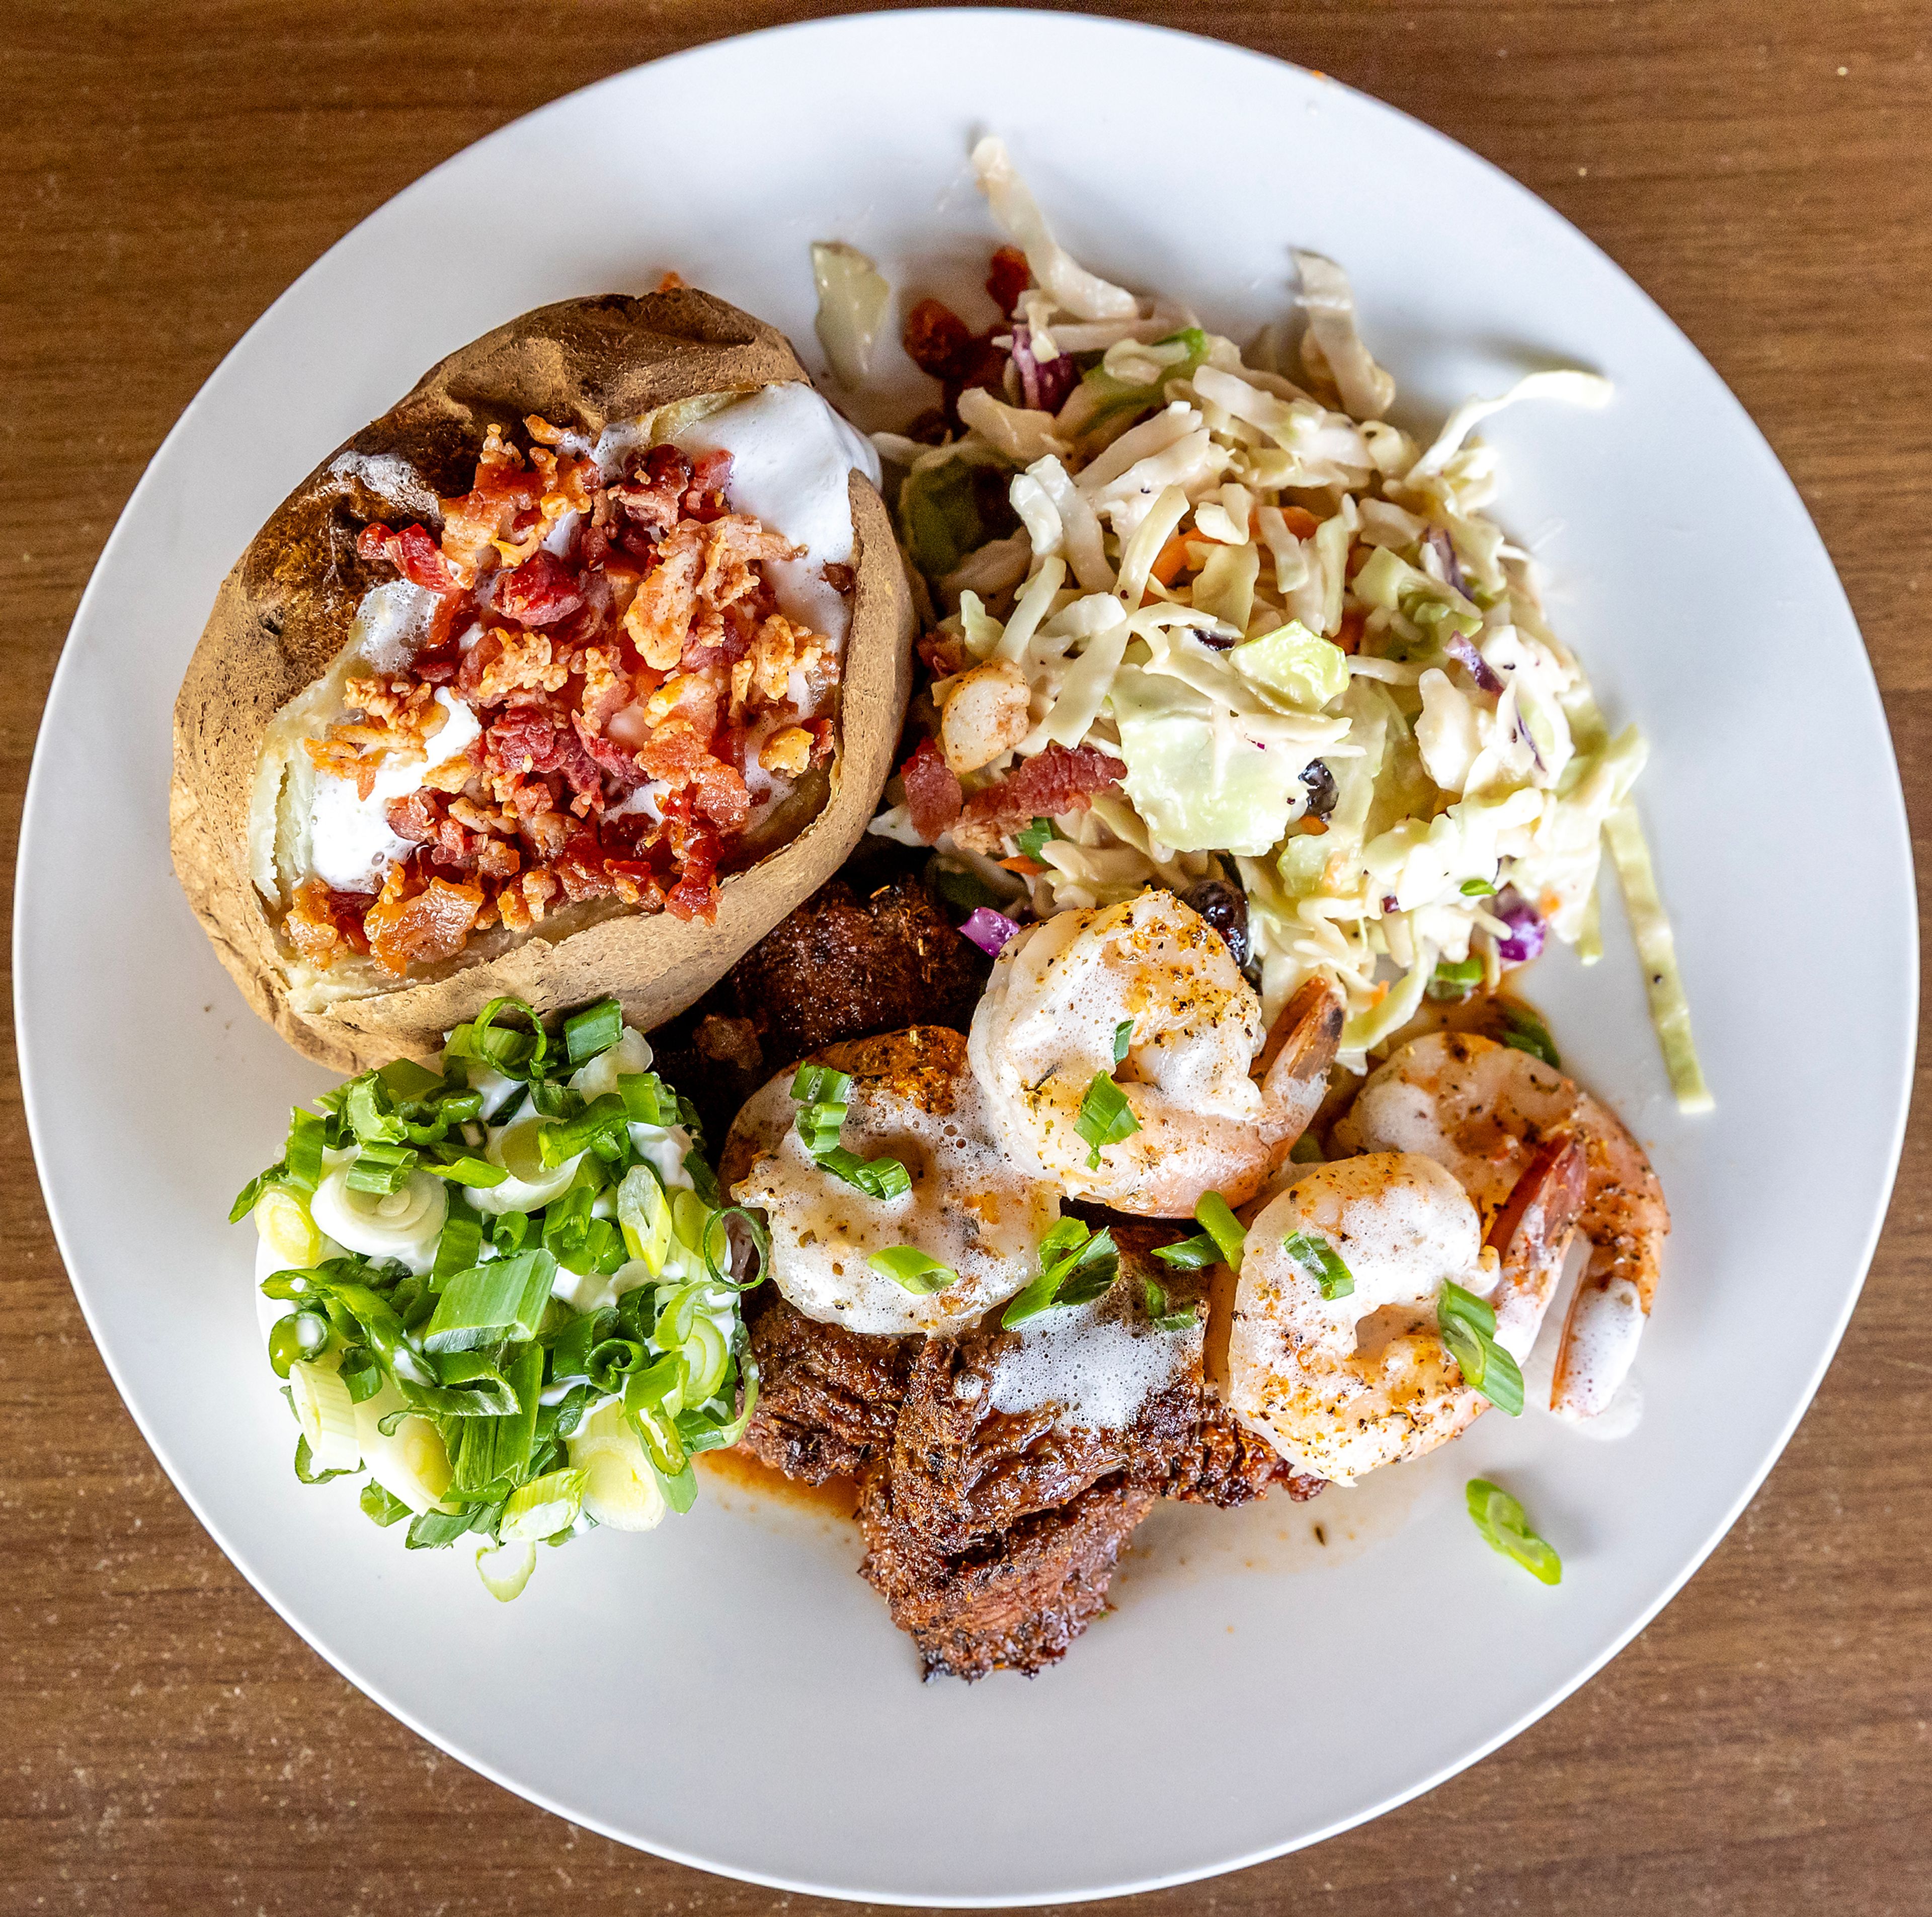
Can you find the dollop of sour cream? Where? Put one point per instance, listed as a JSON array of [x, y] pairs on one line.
[[791, 456], [350, 844]]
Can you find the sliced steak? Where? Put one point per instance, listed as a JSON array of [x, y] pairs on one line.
[[842, 966], [1223, 1462], [1016, 1600], [980, 1446], [828, 1399]]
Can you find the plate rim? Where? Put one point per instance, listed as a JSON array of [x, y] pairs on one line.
[[27, 1043]]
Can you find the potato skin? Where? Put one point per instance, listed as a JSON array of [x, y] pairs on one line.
[[283, 614]]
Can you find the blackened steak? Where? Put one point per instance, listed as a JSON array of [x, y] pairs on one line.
[[962, 1469], [828, 1398], [1018, 1598], [844, 967]]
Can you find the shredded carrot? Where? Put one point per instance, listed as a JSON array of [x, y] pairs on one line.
[[1355, 623], [1359, 556], [1301, 521], [1026, 867], [1171, 560]]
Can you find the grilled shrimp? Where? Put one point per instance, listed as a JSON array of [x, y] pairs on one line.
[[913, 1099], [1489, 1115], [1217, 1108], [1340, 1385]]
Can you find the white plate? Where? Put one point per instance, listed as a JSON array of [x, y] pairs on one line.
[[725, 1690]]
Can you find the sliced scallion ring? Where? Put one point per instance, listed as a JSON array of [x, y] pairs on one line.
[[505, 1568], [327, 1415], [544, 1507], [283, 1220]]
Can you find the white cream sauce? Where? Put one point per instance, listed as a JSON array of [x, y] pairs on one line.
[[1094, 1361], [350, 844], [969, 1208]]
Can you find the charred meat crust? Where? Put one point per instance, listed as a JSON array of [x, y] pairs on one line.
[[842, 966], [1015, 1600], [828, 1398]]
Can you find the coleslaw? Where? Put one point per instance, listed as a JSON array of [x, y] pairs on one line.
[[1311, 662]]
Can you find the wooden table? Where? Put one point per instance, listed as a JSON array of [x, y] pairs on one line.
[[170, 1745]]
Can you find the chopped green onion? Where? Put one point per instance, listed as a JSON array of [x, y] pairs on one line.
[[298, 1336], [910, 1269], [1505, 1526], [461, 1244], [1159, 1315], [652, 1401], [1319, 1259], [367, 1106], [1456, 978], [431, 1530], [381, 1168], [1076, 1267], [464, 1169], [1467, 1327], [558, 1144], [306, 1132], [381, 1505], [819, 1125], [1477, 888], [249, 1196], [1034, 841], [1123, 1037], [504, 1298], [1106, 1117], [647, 1098], [1524, 1032], [514, 1054], [543, 1507], [1216, 1216], [409, 1081], [506, 1569], [510, 1230], [1190, 1254], [821, 1084], [593, 1031], [881, 1178], [550, 1100]]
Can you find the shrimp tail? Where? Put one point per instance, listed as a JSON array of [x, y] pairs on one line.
[[1531, 1233], [1295, 1059]]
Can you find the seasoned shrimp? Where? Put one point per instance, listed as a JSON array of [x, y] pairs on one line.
[[1340, 1385], [1490, 1114], [967, 1207], [1216, 1109]]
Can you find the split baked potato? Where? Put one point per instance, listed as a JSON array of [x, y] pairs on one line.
[[570, 675]]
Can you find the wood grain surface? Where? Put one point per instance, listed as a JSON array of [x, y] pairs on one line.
[[1761, 169]]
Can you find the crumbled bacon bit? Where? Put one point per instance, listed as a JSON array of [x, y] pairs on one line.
[[788, 751], [324, 925], [424, 929], [1052, 782], [540, 592], [649, 646], [933, 795], [411, 551]]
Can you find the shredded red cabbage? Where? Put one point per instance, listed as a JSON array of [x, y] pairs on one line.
[[990, 930], [1045, 384], [1526, 927], [1463, 652]]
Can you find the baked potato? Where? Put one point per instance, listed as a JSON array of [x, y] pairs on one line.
[[570, 675]]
